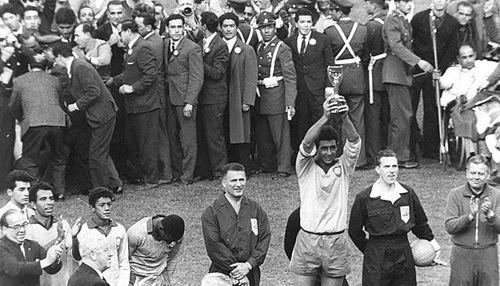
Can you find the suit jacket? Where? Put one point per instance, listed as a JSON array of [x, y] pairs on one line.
[[35, 100], [16, 270], [156, 43], [141, 73], [400, 60], [184, 72], [446, 38], [242, 75], [311, 67], [91, 94], [273, 100], [215, 62], [86, 276], [103, 33]]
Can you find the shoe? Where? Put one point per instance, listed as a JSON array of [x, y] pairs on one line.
[[182, 183], [164, 182], [365, 167], [408, 165], [146, 186], [281, 175], [59, 197], [118, 190]]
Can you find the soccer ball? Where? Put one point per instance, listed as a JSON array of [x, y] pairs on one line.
[[423, 252]]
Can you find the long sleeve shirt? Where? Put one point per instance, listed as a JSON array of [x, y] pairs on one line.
[[480, 232]]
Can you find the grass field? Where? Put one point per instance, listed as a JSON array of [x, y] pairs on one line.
[[279, 199]]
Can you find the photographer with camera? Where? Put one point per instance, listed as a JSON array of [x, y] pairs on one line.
[[187, 8]]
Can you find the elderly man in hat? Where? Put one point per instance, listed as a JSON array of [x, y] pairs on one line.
[[275, 103], [348, 39]]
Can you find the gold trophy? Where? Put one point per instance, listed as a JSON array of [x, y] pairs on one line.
[[334, 75]]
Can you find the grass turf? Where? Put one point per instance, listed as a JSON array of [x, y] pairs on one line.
[[279, 199]]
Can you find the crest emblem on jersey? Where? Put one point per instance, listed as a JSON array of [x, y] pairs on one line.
[[337, 170], [405, 213], [255, 226]]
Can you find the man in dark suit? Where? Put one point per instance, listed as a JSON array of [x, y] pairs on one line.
[[35, 104], [139, 85], [23, 259], [311, 54], [212, 155], [92, 96], [183, 62], [447, 51], [242, 83], [109, 32], [96, 258], [278, 90], [397, 78], [146, 23]]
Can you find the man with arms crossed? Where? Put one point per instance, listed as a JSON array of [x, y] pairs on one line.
[[321, 246], [473, 222]]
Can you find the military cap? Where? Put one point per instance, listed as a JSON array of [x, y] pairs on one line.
[[341, 4], [377, 2], [266, 19]]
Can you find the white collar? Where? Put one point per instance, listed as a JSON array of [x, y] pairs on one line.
[[378, 190], [207, 41], [68, 65], [131, 44], [96, 270], [231, 43]]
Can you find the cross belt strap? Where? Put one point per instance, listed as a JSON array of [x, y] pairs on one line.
[[379, 20], [373, 59], [347, 45]]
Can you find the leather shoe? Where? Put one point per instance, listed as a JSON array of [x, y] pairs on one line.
[[408, 165], [281, 175], [182, 183], [118, 190]]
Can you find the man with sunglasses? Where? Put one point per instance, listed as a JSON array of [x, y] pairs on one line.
[[23, 259], [155, 248]]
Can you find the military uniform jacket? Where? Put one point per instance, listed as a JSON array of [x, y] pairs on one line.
[[353, 80], [273, 100], [141, 73], [375, 45], [397, 34]]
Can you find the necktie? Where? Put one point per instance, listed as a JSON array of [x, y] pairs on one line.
[[303, 45]]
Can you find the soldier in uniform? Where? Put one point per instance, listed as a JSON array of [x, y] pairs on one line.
[[397, 77], [348, 39], [377, 108], [245, 32], [277, 91]]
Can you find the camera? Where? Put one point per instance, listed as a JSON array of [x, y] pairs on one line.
[[188, 11]]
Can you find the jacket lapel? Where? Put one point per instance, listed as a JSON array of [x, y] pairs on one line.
[[234, 55]]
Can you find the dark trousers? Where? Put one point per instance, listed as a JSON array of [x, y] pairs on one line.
[[388, 262], [474, 267], [401, 116], [377, 116], [34, 141], [308, 109], [211, 143], [356, 104], [7, 137], [430, 126], [144, 128], [240, 153], [118, 147], [273, 142], [102, 169], [164, 158], [183, 145]]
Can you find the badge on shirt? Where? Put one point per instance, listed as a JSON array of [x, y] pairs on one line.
[[237, 50], [405, 213], [337, 170], [255, 227], [118, 243], [312, 42]]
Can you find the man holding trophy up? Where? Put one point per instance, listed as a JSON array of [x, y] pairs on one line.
[[324, 182]]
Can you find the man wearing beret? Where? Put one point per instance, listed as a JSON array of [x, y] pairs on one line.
[[277, 90], [312, 54], [348, 39], [397, 78]]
